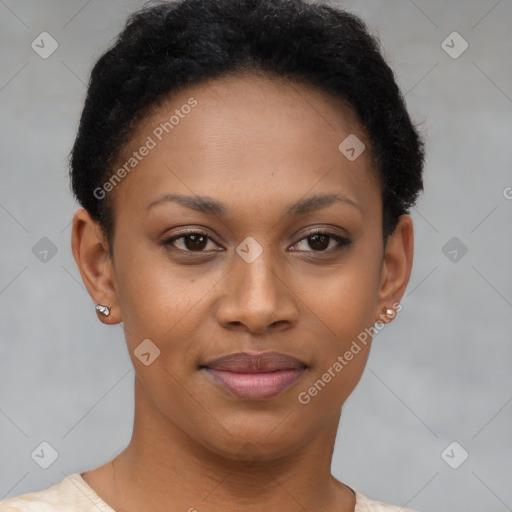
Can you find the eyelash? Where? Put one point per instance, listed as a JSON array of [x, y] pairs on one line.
[[341, 240]]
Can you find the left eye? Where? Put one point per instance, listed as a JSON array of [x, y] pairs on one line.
[[320, 241]]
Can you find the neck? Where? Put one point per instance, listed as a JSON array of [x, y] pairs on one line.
[[164, 465]]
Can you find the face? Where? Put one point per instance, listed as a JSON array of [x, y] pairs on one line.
[[242, 227]]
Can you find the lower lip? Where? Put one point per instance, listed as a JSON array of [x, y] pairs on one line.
[[256, 386]]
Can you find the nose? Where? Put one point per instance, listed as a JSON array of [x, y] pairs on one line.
[[257, 297]]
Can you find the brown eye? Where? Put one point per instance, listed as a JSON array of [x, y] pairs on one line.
[[319, 241], [193, 241]]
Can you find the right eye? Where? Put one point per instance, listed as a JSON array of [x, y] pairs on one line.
[[191, 241]]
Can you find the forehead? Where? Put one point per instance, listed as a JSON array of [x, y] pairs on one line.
[[239, 135]]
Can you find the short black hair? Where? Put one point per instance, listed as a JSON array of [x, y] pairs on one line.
[[166, 46]]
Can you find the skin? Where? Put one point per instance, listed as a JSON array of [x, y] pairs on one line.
[[257, 145]]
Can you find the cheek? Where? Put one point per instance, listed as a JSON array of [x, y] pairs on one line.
[[154, 296], [345, 299], [157, 306], [345, 306], [347, 314], [170, 306]]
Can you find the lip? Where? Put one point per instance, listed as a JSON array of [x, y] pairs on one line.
[[255, 362], [255, 376]]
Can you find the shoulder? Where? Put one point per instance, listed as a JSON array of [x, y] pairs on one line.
[[365, 504], [69, 495]]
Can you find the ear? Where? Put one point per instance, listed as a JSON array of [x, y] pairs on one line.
[[90, 250], [396, 268]]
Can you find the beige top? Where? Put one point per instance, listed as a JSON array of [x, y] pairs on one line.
[[73, 494]]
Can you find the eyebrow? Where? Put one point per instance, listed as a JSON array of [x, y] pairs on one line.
[[209, 206]]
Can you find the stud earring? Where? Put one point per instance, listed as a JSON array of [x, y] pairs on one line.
[[390, 312], [103, 310]]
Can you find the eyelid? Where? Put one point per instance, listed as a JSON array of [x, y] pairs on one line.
[[323, 231]]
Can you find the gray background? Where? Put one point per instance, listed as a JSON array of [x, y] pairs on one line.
[[441, 372]]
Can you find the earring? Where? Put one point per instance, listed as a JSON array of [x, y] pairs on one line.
[[390, 312], [103, 310]]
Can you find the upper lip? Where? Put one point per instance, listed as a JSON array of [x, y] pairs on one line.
[[247, 362]]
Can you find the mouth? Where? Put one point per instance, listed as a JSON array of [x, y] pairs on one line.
[[255, 376]]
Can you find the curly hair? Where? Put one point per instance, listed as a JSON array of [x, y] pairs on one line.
[[167, 46]]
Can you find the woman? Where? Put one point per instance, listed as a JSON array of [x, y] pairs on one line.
[[245, 169]]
